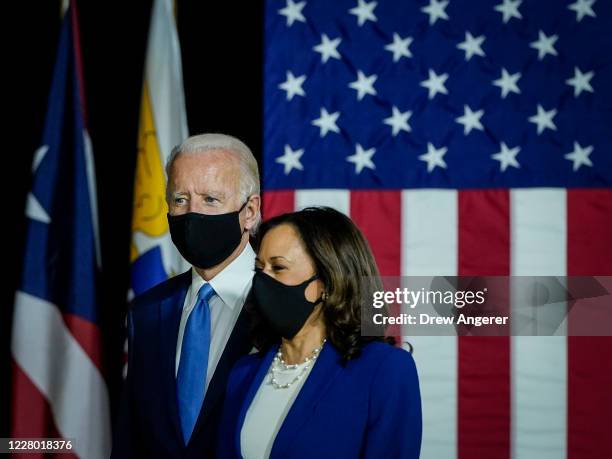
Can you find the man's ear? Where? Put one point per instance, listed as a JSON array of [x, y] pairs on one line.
[[252, 211]]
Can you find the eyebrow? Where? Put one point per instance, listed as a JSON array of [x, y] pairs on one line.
[[213, 194], [279, 256], [257, 259]]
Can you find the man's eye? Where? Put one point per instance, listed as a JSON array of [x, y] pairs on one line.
[[210, 199], [179, 201]]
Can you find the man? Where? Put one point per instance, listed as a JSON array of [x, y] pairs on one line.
[[186, 333]]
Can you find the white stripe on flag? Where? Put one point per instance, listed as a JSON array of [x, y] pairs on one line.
[[47, 352], [337, 199], [429, 248], [539, 363], [429, 233]]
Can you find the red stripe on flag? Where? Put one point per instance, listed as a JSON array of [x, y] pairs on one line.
[[87, 335], [32, 416], [589, 253], [277, 203], [378, 214], [589, 232], [78, 60], [483, 423], [484, 233]]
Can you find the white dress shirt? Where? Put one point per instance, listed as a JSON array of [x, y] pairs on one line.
[[231, 288], [268, 411]]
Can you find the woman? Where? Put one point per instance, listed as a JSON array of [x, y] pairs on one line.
[[317, 388]]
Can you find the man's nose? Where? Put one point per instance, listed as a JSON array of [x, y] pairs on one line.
[[196, 206]]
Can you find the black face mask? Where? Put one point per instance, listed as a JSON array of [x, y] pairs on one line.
[[284, 306], [206, 240]]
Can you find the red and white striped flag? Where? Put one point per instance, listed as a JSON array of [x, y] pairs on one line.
[[465, 139], [518, 396], [59, 390], [495, 397]]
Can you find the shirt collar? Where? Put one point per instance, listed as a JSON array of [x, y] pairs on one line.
[[233, 282]]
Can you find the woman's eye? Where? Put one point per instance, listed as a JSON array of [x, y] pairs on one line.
[[277, 268]]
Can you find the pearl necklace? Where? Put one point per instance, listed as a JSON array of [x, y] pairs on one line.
[[279, 362]]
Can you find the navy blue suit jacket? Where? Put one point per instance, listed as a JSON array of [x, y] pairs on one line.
[[148, 424], [370, 408]]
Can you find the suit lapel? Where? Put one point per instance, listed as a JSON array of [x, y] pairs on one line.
[[322, 375], [170, 310], [257, 381]]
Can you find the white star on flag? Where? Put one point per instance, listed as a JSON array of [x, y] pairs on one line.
[[436, 10], [39, 155], [470, 120], [364, 85], [435, 83], [398, 121], [293, 86], [580, 156], [434, 157], [399, 47], [581, 81], [364, 12], [583, 8], [328, 48], [509, 9], [291, 159], [472, 46], [544, 119], [508, 83], [545, 45], [362, 158], [327, 122], [34, 209], [293, 12], [507, 157]]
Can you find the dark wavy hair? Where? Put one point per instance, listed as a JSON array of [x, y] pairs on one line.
[[344, 262]]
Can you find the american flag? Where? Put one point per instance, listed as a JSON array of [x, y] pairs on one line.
[[59, 389], [464, 138]]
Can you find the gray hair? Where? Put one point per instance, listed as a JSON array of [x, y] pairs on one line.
[[249, 173]]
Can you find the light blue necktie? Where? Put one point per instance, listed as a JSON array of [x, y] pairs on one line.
[[191, 376]]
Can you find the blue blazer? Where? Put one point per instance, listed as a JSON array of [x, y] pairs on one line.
[[148, 423], [370, 408]]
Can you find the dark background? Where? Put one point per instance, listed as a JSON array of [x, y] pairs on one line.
[[221, 45]]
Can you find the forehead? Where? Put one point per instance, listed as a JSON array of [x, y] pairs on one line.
[[211, 167], [283, 240]]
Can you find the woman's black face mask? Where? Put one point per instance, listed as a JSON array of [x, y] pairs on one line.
[[285, 307]]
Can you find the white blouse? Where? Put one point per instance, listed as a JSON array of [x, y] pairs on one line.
[[268, 410]]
